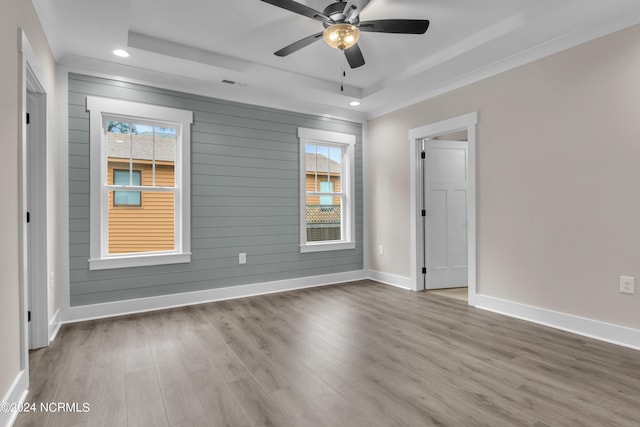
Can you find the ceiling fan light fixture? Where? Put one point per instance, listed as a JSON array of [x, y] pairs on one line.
[[341, 36]]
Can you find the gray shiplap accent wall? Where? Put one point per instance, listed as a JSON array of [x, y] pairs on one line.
[[244, 197]]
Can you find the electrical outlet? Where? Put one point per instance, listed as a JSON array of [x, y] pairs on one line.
[[627, 285], [242, 258], [381, 250]]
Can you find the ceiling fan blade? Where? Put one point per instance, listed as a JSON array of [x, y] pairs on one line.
[[300, 9], [353, 9], [354, 56], [397, 26], [293, 47]]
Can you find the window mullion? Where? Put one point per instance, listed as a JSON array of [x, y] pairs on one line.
[[141, 188], [324, 193], [130, 154], [153, 159], [315, 168]]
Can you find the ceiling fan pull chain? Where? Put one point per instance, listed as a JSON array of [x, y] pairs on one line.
[[343, 75]]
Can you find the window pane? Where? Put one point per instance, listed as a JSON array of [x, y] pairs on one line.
[[126, 198], [142, 151], [146, 229], [310, 152], [324, 221], [323, 164], [335, 169], [326, 187], [165, 156], [118, 144], [153, 149], [123, 177]]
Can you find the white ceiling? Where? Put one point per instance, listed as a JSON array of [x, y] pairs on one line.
[[194, 44]]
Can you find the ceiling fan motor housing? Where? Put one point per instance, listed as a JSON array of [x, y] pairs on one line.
[[335, 11]]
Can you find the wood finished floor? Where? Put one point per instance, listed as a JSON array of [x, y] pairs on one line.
[[358, 354], [461, 294]]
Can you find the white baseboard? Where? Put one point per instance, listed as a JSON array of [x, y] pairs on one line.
[[15, 396], [110, 309], [390, 279], [54, 326], [602, 331]]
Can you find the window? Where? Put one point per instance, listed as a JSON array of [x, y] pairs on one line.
[[140, 182], [326, 202], [326, 186], [127, 179]]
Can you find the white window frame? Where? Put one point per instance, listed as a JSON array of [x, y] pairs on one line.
[[100, 109], [347, 142]]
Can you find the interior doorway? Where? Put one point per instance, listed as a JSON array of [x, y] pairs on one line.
[[34, 290], [444, 211], [36, 215], [460, 132]]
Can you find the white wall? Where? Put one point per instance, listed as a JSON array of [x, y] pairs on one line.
[[557, 171], [17, 14]]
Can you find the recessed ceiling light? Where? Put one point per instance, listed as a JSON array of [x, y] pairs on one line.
[[354, 103], [121, 53]]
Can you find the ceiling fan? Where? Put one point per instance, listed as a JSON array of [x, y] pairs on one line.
[[343, 26]]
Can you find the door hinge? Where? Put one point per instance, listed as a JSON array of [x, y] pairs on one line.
[[424, 212], [423, 155], [28, 118], [29, 316], [28, 217], [424, 270]]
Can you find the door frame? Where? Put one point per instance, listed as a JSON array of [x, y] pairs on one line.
[[31, 81], [466, 122]]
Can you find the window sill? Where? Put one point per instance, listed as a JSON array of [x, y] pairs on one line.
[[321, 247], [127, 261]]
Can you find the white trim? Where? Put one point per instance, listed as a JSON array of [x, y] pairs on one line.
[[365, 199], [326, 136], [596, 329], [25, 54], [63, 294], [391, 279], [466, 122], [30, 78], [144, 260], [98, 109], [16, 395], [347, 142], [326, 246], [118, 308], [54, 326]]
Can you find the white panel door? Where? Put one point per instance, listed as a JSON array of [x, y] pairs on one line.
[[445, 186]]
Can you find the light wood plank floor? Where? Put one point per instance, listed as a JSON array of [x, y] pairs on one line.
[[358, 354], [461, 294]]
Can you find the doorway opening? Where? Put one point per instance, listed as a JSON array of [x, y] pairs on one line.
[[36, 215], [34, 263], [443, 205], [444, 214]]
